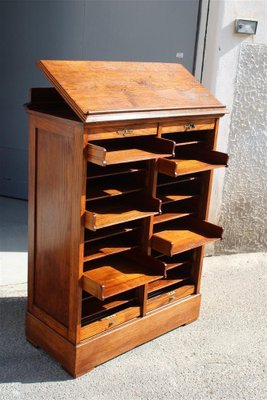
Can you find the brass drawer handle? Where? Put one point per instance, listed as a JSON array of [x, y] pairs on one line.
[[124, 132], [190, 125]]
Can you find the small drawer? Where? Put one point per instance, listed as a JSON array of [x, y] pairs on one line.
[[110, 321], [116, 132], [170, 296], [186, 126]]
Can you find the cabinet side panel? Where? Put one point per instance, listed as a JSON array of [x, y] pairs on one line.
[[54, 161]]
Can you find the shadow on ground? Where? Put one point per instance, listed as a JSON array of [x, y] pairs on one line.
[[20, 361]]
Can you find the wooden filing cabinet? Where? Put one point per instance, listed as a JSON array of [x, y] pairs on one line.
[[121, 157]]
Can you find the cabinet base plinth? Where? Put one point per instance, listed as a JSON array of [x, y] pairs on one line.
[[79, 359]]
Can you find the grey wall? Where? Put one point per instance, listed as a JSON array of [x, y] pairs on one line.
[[138, 30], [244, 208]]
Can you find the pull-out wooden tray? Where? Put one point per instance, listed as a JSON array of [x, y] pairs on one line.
[[112, 152], [120, 273], [177, 237], [192, 160], [177, 275], [120, 209]]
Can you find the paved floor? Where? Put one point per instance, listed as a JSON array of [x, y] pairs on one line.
[[13, 241], [220, 356]]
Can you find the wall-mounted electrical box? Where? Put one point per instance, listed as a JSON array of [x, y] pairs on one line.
[[246, 26]]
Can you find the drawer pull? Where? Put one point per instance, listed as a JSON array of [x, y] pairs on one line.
[[124, 132], [190, 125], [171, 295], [112, 319]]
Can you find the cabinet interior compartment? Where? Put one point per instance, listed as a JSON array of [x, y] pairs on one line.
[[183, 234], [112, 245], [110, 211], [99, 316], [192, 159], [111, 231], [116, 274], [175, 275], [114, 185], [94, 309], [95, 171], [177, 284], [182, 189], [200, 138], [110, 152], [179, 196], [177, 260]]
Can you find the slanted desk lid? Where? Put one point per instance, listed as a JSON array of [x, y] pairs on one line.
[[105, 87]]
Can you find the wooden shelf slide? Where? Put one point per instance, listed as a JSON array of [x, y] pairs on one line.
[[118, 274], [107, 153], [111, 245], [94, 309], [119, 209], [182, 190], [177, 275], [114, 186], [170, 239], [191, 160], [95, 171], [109, 232], [177, 209], [178, 260]]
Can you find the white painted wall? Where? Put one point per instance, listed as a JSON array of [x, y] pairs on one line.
[[220, 68]]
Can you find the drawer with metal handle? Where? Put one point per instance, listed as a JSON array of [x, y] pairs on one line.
[[173, 295], [186, 126], [121, 131]]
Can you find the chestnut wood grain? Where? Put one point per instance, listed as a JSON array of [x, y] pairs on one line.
[[130, 208], [97, 87], [110, 321], [175, 239], [198, 161], [52, 229], [171, 295], [120, 273], [126, 130], [186, 126], [148, 149]]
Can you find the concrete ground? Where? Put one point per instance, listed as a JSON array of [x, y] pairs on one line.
[[220, 356]]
